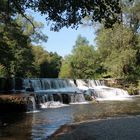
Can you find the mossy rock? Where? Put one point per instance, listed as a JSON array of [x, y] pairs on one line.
[[88, 97]]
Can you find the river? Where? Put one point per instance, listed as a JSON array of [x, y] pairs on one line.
[[42, 123]]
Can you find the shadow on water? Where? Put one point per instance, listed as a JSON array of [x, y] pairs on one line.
[[15, 126], [32, 125], [41, 124]]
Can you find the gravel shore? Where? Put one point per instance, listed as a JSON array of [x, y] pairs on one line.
[[125, 128]]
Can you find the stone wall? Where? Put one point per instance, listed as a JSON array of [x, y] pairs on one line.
[[14, 103]]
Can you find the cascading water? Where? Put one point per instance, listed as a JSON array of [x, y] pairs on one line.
[[54, 92], [48, 101], [50, 85], [31, 105], [57, 92], [94, 83], [98, 89], [77, 99], [82, 84]]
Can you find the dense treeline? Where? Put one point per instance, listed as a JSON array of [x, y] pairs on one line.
[[116, 53], [19, 57], [47, 65]]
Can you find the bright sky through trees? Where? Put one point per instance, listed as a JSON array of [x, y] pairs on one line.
[[63, 41]]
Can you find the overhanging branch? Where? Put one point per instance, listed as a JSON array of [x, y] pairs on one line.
[[20, 11]]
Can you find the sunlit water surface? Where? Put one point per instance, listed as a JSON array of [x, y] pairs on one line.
[[41, 124]]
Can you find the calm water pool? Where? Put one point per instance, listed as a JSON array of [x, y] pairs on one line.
[[39, 125]]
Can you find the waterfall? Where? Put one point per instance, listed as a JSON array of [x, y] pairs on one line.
[[31, 103], [44, 85], [82, 84], [41, 84], [54, 93], [110, 93], [52, 101], [60, 97], [94, 83], [77, 99], [98, 89]]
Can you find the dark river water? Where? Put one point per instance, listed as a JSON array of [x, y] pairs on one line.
[[39, 125]]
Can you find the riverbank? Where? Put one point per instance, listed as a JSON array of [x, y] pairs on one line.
[[126, 128]]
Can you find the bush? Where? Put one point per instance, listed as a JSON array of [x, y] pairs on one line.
[[2, 71]]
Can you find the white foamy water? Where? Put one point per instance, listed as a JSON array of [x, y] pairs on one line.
[[80, 102], [34, 111], [52, 104], [60, 90], [53, 91], [98, 89], [108, 92], [114, 99]]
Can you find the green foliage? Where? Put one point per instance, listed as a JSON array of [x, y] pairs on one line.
[[116, 55], [15, 50], [116, 50], [22, 64], [47, 64], [65, 12], [138, 86], [83, 62], [51, 67], [16, 36], [66, 69], [20, 57], [36, 35], [80, 64], [131, 11], [2, 71], [41, 56]]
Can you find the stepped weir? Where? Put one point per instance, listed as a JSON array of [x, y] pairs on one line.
[[52, 93]]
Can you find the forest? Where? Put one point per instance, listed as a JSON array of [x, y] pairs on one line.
[[116, 53]]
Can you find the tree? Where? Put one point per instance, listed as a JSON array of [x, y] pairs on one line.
[[117, 50], [41, 56], [15, 50], [2, 71], [36, 35], [66, 69], [47, 64], [65, 12], [80, 64], [83, 62], [51, 67], [131, 12], [15, 46]]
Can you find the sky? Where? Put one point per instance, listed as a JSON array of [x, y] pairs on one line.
[[63, 41]]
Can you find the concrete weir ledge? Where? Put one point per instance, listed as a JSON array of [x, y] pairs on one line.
[[122, 128]]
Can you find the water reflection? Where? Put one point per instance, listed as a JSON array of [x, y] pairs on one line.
[[49, 120], [15, 126], [41, 124]]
